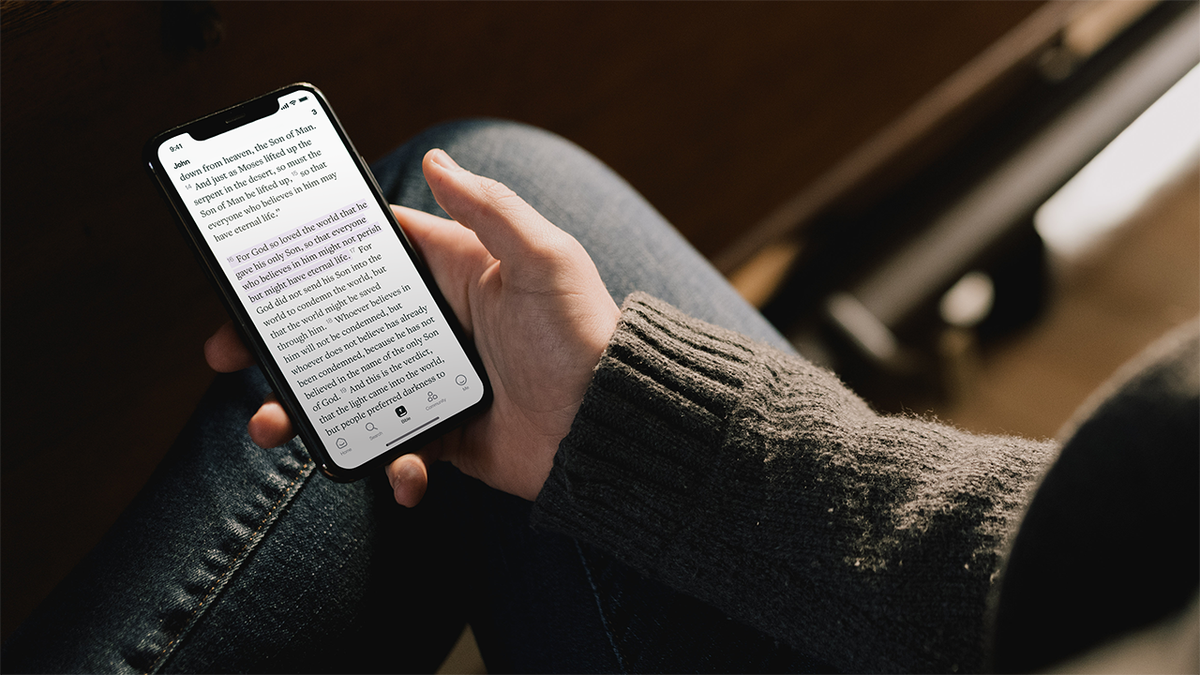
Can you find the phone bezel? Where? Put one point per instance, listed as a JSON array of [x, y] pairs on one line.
[[238, 115]]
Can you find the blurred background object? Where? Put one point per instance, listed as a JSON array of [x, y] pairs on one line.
[[936, 235], [804, 147]]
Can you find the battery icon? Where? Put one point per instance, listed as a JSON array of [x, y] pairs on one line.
[[303, 99]]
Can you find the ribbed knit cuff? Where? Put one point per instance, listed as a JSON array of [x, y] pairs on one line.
[[628, 476], [757, 482]]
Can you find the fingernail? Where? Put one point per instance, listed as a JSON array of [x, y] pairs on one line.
[[439, 157]]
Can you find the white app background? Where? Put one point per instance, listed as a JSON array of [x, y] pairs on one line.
[[324, 278]]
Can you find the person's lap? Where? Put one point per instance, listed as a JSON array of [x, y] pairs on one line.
[[237, 558], [633, 246]]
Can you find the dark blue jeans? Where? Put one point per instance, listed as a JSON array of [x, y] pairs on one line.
[[236, 558]]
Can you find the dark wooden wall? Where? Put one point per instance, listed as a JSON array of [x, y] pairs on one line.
[[717, 112]]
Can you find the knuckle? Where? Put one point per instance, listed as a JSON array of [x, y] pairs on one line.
[[499, 196]]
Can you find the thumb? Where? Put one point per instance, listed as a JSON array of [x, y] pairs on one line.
[[452, 253], [506, 225]]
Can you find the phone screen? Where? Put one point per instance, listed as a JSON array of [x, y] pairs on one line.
[[288, 218]]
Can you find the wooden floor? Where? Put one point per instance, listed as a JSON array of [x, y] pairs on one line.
[[1106, 308]]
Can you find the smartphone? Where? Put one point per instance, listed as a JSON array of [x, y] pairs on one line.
[[344, 318]]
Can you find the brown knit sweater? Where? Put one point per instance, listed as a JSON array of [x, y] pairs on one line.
[[759, 483]]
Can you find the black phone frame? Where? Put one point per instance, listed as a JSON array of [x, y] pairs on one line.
[[238, 115]]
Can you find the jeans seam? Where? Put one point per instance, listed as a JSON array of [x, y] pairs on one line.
[[600, 609], [251, 542]]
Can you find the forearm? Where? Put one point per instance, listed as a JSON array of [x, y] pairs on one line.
[[757, 482]]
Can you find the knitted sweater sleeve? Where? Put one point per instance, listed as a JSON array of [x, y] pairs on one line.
[[757, 482]]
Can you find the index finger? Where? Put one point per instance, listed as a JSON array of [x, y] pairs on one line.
[[225, 352], [409, 478]]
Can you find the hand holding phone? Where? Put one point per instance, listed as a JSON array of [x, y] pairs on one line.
[[541, 317], [358, 343]]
